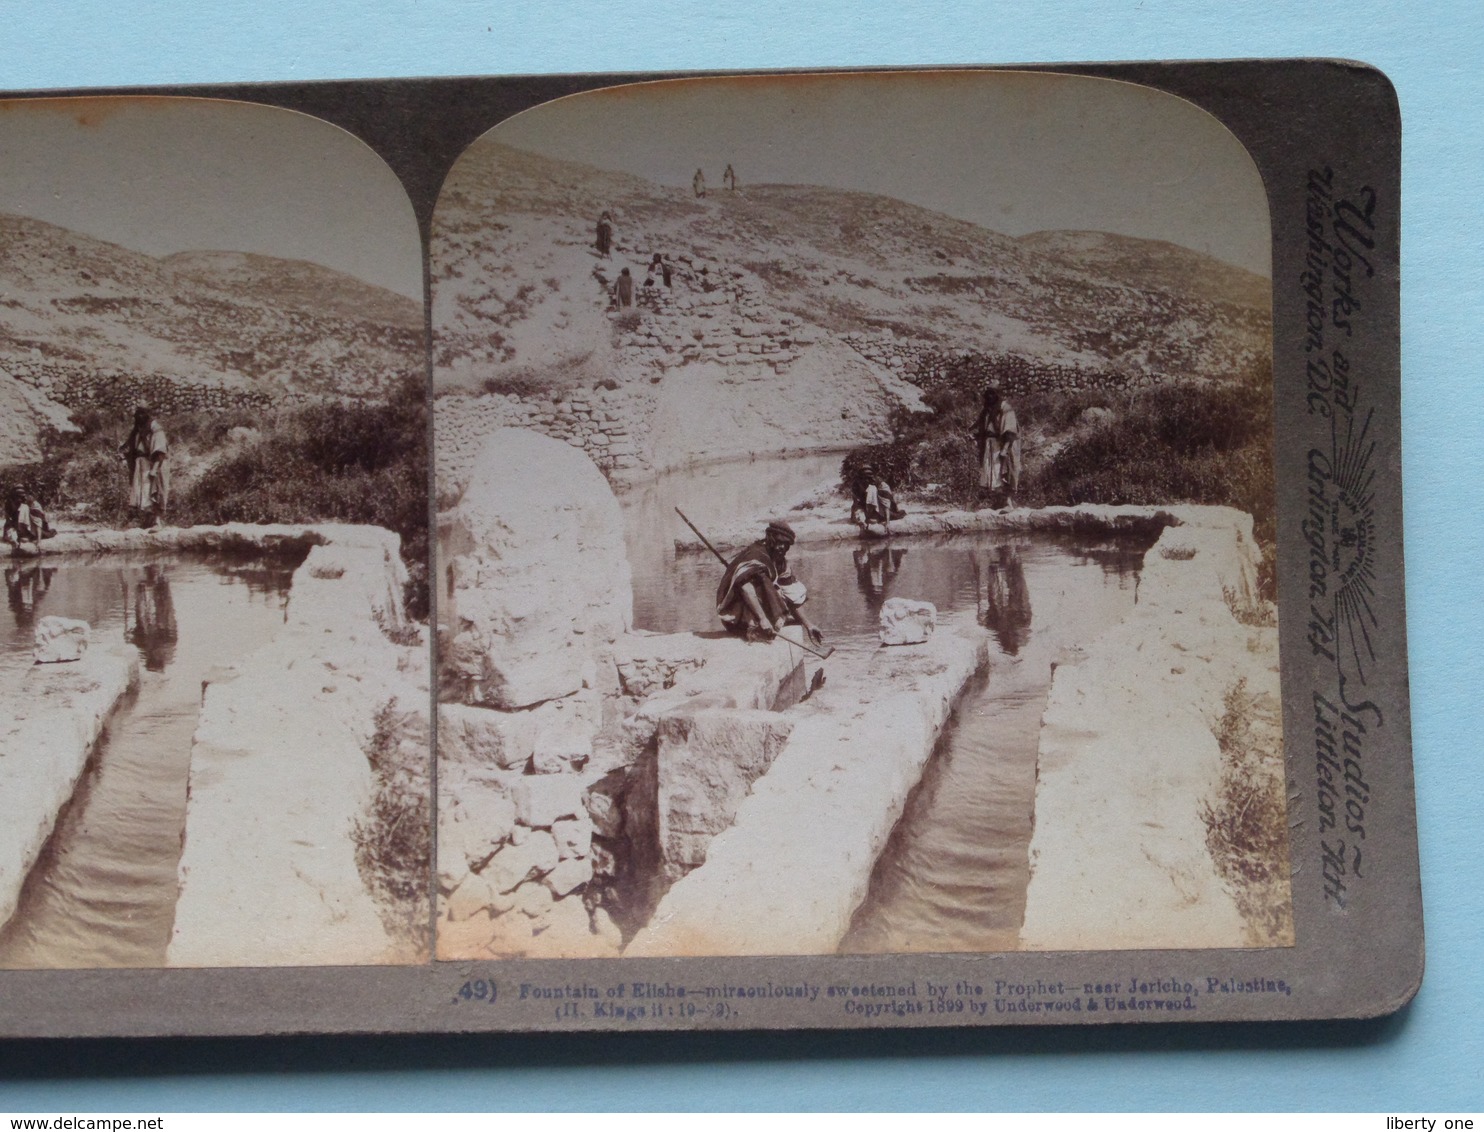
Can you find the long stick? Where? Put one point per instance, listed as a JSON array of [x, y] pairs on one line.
[[706, 542]]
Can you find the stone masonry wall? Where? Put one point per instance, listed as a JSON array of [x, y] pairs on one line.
[[717, 316], [928, 367], [119, 391]]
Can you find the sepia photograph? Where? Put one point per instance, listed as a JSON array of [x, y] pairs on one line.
[[214, 656], [856, 524]]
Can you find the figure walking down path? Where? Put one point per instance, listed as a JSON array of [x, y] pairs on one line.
[[698, 182], [998, 437], [147, 454], [729, 179], [623, 290], [604, 241]]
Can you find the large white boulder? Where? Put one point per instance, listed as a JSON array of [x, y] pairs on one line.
[[907, 622], [536, 572], [61, 639]]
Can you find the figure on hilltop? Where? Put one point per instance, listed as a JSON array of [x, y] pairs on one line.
[[698, 183], [729, 179], [147, 454], [604, 241], [759, 595], [997, 435]]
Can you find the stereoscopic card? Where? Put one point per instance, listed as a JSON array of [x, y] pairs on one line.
[[654, 552]]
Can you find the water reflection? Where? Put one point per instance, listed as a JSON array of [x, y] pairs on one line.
[[25, 587], [1120, 558], [1003, 598], [150, 616], [876, 571], [103, 891]]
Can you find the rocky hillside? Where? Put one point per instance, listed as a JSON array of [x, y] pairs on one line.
[[798, 315], [83, 321]]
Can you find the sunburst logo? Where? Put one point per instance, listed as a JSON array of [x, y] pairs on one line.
[[1352, 539]]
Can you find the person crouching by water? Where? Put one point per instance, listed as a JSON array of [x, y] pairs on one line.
[[25, 519], [872, 500], [147, 453], [759, 595], [998, 437]]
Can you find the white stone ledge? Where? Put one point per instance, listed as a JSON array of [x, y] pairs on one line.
[[788, 875], [48, 726], [279, 774], [830, 522], [1128, 753]]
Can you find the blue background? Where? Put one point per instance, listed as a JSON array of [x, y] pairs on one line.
[[1428, 1057]]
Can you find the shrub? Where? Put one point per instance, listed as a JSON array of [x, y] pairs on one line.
[[1247, 823], [394, 840], [1208, 443], [359, 463]]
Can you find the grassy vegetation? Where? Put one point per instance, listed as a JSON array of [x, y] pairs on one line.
[[1177, 443], [1246, 825], [355, 463], [394, 847]]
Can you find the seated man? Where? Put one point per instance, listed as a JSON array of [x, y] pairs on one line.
[[872, 500], [11, 532], [24, 519], [758, 594]]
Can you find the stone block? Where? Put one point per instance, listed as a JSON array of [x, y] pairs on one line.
[[484, 736], [708, 761], [541, 799], [574, 836], [569, 875], [563, 745], [907, 622], [568, 934], [472, 898], [542, 579], [514, 864], [61, 639], [603, 803], [512, 935], [533, 900], [473, 826]]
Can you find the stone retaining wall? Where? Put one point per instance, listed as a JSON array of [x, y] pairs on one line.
[[928, 367], [48, 726], [558, 821], [716, 331], [119, 391], [606, 425]]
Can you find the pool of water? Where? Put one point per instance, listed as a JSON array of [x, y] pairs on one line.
[[103, 892], [954, 873]]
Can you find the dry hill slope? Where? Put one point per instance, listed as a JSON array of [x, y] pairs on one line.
[[513, 236], [80, 316], [771, 336]]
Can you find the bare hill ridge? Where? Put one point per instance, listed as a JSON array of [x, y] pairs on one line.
[[516, 288], [298, 283], [78, 314]]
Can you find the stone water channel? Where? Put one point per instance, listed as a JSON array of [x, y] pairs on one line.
[[103, 892], [953, 876]]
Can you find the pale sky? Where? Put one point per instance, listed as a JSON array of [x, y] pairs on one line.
[[1015, 152], [162, 175]]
